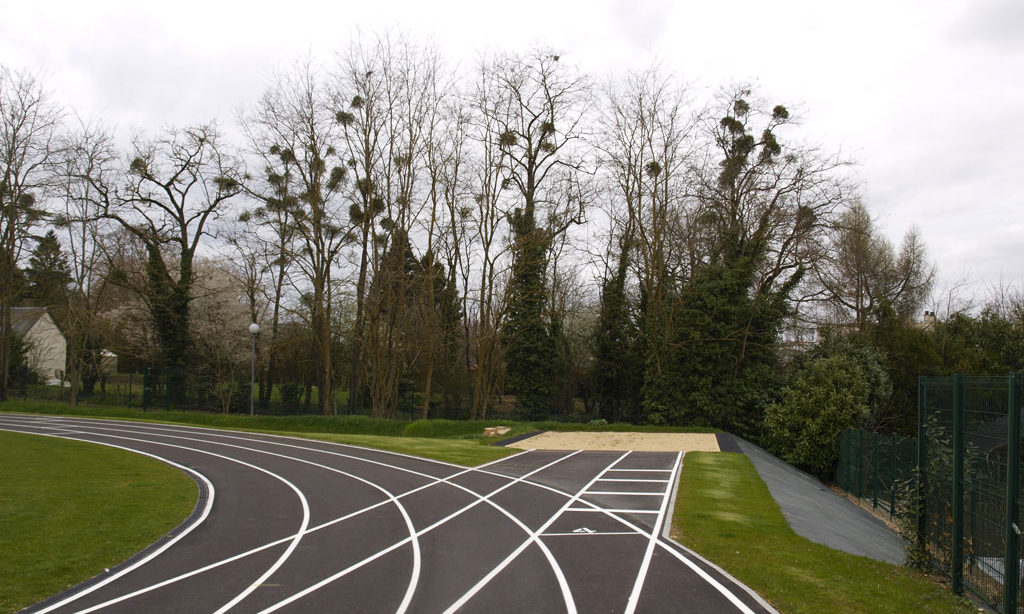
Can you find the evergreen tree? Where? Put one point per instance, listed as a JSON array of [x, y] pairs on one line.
[[528, 348], [48, 273], [712, 343], [617, 374]]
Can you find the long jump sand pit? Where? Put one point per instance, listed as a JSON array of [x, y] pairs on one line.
[[636, 442]]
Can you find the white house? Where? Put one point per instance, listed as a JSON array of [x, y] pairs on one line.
[[47, 347]]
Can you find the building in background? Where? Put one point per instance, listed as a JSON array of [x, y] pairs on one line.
[[47, 347]]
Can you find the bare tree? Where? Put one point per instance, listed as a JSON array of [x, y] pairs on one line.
[[486, 180], [251, 269], [397, 91], [446, 234], [29, 122], [294, 133], [358, 102], [538, 108], [648, 142], [172, 191], [89, 159]]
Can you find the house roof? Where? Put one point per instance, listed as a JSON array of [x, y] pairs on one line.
[[24, 318]]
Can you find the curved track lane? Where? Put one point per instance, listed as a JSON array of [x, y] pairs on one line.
[[295, 525]]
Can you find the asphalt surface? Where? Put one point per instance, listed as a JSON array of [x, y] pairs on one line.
[[816, 512], [295, 525]]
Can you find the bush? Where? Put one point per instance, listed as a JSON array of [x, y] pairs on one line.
[[824, 398], [290, 398]]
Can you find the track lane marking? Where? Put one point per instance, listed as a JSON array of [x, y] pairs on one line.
[[633, 480], [434, 481], [417, 561], [120, 573], [398, 544], [267, 438], [533, 538], [552, 562], [628, 493], [664, 544], [294, 539], [611, 513], [634, 596]]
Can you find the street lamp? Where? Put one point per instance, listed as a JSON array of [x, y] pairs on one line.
[[254, 328]]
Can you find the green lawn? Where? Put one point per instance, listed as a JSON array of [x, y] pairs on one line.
[[70, 509], [725, 512], [456, 451]]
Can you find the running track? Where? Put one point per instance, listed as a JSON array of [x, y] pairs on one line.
[[295, 525]]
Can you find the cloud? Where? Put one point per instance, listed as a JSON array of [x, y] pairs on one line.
[[997, 23], [643, 22]]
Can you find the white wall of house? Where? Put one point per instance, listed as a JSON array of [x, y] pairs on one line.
[[48, 350]]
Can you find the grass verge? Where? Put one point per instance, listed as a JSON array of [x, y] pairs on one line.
[[348, 425], [70, 509], [725, 512], [455, 451]]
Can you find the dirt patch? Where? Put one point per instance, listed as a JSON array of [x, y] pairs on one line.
[[637, 442]]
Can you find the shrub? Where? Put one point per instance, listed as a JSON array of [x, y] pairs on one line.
[[824, 398]]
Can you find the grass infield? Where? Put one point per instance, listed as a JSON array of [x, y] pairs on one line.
[[70, 509], [725, 512]]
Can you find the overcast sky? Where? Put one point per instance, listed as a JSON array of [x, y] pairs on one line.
[[925, 96]]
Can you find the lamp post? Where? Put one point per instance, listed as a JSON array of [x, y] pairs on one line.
[[254, 328]]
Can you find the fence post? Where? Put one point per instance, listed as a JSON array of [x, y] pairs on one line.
[[919, 458], [841, 467], [958, 486], [874, 471], [147, 381], [892, 477], [1011, 564]]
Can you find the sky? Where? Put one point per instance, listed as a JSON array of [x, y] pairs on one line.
[[924, 96]]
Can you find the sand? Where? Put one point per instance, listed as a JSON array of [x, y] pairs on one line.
[[637, 442]]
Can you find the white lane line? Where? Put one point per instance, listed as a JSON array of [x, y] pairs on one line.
[[198, 521], [602, 510], [618, 492], [434, 481], [633, 480], [398, 544], [611, 513], [742, 607], [267, 546], [663, 544], [269, 437], [295, 538], [531, 540], [634, 596], [417, 559]]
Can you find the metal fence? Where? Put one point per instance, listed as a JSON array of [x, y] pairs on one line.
[[962, 485], [970, 459], [877, 468]]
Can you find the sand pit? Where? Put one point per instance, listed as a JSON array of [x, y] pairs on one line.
[[637, 442]]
